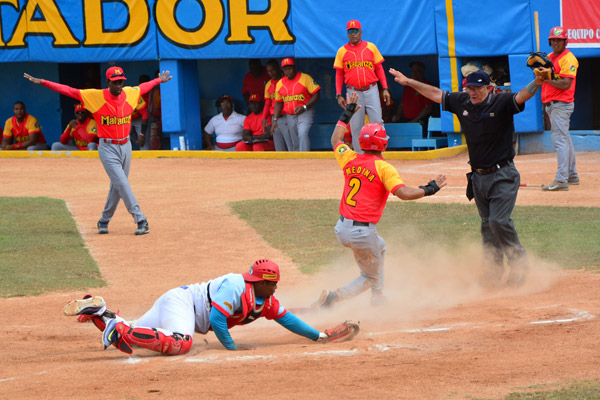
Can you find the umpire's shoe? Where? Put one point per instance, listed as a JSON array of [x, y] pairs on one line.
[[142, 228], [102, 227]]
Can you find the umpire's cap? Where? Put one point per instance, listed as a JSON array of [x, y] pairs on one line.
[[262, 270]]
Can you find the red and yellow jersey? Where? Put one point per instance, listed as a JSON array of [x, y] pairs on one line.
[[253, 122], [112, 113], [20, 131], [565, 65], [141, 110], [296, 92], [270, 95], [368, 181], [358, 63], [82, 134]]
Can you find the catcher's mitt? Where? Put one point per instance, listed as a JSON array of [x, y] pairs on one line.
[[340, 333], [541, 65]]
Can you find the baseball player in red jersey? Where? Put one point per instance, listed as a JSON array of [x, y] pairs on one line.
[[82, 131], [368, 181], [112, 109], [281, 135], [254, 138], [23, 130], [295, 96], [359, 65]]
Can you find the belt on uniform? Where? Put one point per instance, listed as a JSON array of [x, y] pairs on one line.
[[362, 89], [114, 141], [491, 170], [551, 102], [355, 223]]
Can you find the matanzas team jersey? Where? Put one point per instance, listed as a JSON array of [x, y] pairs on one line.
[[368, 181]]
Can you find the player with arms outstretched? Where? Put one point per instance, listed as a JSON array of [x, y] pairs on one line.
[[368, 181]]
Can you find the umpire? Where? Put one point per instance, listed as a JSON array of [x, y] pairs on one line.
[[487, 122]]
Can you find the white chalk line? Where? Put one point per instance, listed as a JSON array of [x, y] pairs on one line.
[[213, 359], [12, 378]]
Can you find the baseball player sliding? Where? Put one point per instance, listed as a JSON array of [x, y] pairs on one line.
[[368, 181], [359, 65], [217, 305]]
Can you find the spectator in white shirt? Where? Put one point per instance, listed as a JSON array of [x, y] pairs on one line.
[[226, 126]]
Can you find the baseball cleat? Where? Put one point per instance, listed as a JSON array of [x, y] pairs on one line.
[[102, 227], [142, 228], [90, 306], [326, 299], [110, 334]]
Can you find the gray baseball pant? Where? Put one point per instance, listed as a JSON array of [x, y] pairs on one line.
[[560, 115], [369, 252], [281, 136], [369, 100], [58, 146], [298, 127], [116, 160], [495, 195]]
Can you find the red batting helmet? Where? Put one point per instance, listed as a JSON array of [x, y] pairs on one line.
[[262, 270], [373, 137], [557, 33]]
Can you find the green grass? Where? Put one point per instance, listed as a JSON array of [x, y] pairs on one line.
[[583, 390], [303, 229], [41, 249]]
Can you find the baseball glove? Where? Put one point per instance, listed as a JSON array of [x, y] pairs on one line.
[[541, 65], [341, 333]]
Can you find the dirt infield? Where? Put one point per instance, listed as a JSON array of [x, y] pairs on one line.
[[442, 336]]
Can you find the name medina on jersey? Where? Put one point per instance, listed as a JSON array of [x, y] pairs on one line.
[[360, 170], [109, 121]]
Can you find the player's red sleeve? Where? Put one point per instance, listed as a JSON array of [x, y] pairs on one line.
[[66, 135], [63, 89], [267, 109], [339, 80], [381, 75], [144, 113], [147, 86]]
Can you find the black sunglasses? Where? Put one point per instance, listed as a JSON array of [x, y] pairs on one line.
[[116, 75], [353, 31]]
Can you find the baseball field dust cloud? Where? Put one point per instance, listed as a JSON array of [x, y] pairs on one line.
[[419, 281]]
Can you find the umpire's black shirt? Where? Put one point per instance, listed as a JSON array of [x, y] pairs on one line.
[[488, 126]]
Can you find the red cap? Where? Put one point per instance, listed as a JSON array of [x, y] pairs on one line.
[[256, 97], [353, 24], [262, 270], [115, 74], [287, 61], [79, 107]]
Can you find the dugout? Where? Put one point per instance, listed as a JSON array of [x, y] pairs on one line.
[[206, 44]]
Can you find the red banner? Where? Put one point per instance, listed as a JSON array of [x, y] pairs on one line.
[[581, 19]]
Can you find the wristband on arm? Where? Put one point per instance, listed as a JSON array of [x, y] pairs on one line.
[[347, 114], [17, 146], [431, 188]]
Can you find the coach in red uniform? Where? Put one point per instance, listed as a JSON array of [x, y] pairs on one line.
[[254, 138], [82, 132], [112, 109], [368, 181], [359, 65], [22, 131]]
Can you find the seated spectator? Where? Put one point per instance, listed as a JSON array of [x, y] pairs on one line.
[[255, 80], [414, 107], [139, 119], [226, 126], [254, 137], [80, 134], [155, 115], [22, 131]]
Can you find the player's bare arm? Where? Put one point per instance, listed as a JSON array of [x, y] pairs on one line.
[[431, 92], [32, 79], [338, 133], [309, 104], [562, 83], [410, 193]]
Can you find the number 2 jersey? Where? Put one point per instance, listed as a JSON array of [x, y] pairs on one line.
[[368, 181]]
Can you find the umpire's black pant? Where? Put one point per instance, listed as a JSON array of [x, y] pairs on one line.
[[495, 195]]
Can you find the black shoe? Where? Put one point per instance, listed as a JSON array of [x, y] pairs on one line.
[[102, 227], [326, 299], [142, 228]]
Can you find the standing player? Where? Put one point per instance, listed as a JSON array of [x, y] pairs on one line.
[[558, 97], [359, 64], [112, 109], [487, 121], [82, 131], [281, 135], [295, 96], [217, 305], [368, 181], [23, 130]]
